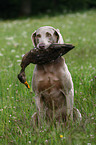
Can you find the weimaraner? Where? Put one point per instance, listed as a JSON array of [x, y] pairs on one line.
[[52, 82]]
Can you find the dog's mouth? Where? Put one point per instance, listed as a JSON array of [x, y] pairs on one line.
[[42, 46]]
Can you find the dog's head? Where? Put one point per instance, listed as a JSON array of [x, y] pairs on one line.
[[44, 36]]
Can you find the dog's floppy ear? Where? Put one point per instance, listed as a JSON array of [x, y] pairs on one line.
[[58, 36], [60, 39], [33, 37]]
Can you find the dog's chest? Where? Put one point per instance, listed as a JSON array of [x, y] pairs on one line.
[[48, 82], [49, 86], [48, 79]]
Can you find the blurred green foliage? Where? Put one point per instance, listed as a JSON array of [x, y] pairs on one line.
[[17, 8]]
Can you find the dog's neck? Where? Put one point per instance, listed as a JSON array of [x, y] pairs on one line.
[[49, 67]]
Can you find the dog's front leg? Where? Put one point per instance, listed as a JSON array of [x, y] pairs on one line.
[[40, 109], [69, 102], [38, 116]]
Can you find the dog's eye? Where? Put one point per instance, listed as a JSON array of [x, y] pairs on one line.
[[38, 36], [48, 34]]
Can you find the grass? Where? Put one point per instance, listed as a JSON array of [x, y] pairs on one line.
[[17, 103]]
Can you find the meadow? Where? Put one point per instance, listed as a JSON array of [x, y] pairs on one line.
[[17, 103]]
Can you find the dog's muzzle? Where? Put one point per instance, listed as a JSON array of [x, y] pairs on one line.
[[42, 46]]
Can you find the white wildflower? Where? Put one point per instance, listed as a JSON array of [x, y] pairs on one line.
[[88, 143], [1, 54], [84, 39], [84, 99], [10, 65], [17, 56], [10, 85], [46, 140], [91, 135], [23, 55], [18, 60], [29, 142], [90, 66], [92, 118], [7, 96], [81, 67], [1, 109], [13, 50], [9, 38]]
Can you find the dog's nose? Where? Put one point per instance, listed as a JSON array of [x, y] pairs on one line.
[[42, 46]]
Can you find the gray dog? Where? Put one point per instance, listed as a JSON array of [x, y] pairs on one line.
[[52, 82]]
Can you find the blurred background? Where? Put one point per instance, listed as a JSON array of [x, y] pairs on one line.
[[19, 8]]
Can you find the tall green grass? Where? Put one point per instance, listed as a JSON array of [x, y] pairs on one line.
[[17, 103]]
